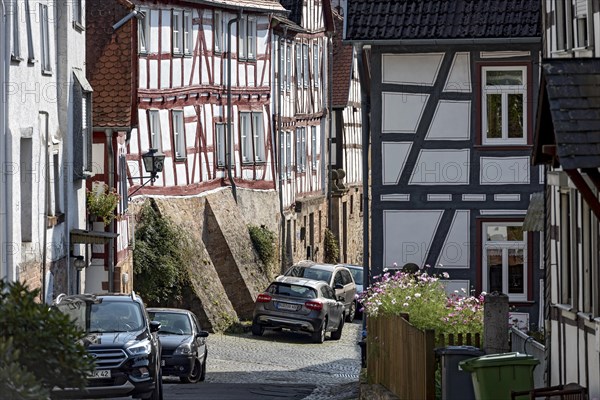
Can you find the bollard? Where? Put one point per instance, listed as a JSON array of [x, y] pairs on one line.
[[495, 323]]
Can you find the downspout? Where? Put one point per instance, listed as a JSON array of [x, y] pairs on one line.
[[111, 184], [229, 138], [280, 169], [3, 147], [366, 128], [45, 206]]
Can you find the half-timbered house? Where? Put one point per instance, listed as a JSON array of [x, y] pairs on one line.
[[190, 80], [300, 93], [42, 217], [567, 144], [452, 95]]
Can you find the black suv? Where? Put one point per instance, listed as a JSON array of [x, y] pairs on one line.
[[123, 342]]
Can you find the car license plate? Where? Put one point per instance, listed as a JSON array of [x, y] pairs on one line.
[[99, 374], [288, 307]]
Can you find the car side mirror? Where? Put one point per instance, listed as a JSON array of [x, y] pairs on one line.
[[154, 326], [202, 334], [339, 286]]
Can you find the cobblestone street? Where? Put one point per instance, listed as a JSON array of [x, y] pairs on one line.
[[282, 357]]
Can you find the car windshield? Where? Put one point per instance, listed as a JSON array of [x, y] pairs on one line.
[[286, 289], [357, 274], [311, 273], [172, 323], [104, 316]]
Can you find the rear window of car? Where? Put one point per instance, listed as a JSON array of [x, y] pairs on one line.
[[286, 289], [311, 273]]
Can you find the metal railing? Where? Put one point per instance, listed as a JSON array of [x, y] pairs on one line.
[[523, 343]]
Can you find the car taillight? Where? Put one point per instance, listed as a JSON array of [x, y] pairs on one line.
[[314, 305], [263, 298]]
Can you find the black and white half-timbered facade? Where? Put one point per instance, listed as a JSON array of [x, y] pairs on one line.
[[300, 93], [453, 86], [567, 143]]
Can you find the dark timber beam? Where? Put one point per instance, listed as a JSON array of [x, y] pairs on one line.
[[587, 193]]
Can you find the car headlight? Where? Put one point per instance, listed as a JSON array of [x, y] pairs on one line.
[[143, 347], [183, 349]]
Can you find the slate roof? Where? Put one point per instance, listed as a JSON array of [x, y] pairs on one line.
[[342, 73], [534, 219], [295, 9], [442, 19], [570, 108]]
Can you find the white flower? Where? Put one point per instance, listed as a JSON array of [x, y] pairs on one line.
[[445, 275], [407, 298], [483, 293], [405, 305], [417, 295]]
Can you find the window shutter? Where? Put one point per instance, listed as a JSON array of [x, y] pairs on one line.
[[581, 8], [77, 132]]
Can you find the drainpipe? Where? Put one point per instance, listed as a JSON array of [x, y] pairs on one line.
[[45, 206], [280, 169], [111, 229], [366, 128], [229, 138], [4, 209]]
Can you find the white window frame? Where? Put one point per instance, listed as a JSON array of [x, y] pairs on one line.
[[504, 246], [313, 143], [288, 67], [288, 154], [46, 62], [220, 144], [301, 150], [299, 76], [582, 32], [563, 25], [178, 127], [154, 129], [305, 66], [177, 32], [504, 91], [247, 38], [15, 49], [252, 137], [218, 31], [78, 14], [188, 33], [282, 147], [144, 32], [316, 53]]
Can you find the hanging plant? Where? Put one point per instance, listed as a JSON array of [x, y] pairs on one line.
[[102, 202]]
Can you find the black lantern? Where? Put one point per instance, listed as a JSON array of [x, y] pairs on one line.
[[153, 161]]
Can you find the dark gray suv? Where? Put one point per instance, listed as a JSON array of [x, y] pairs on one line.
[[337, 276], [122, 341]]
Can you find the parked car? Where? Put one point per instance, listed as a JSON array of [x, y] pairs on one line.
[[337, 276], [299, 304], [357, 274], [184, 350], [123, 342]]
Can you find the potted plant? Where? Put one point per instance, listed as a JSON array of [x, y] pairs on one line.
[[102, 202]]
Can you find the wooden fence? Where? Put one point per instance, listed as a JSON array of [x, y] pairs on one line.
[[401, 357]]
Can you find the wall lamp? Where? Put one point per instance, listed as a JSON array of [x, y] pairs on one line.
[[154, 161]]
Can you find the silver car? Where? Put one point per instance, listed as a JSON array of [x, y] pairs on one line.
[[299, 304], [337, 276]]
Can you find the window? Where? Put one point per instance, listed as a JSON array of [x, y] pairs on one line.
[[144, 32], [220, 144], [505, 259], [282, 154], [298, 65], [288, 154], [288, 67], [178, 134], [188, 37], [281, 66], [15, 50], [155, 131], [177, 31], [45, 39], [78, 13], [218, 31], [581, 24], [247, 38], [82, 126], [504, 105], [316, 64], [305, 73], [30, 49], [313, 147], [300, 149], [253, 138]]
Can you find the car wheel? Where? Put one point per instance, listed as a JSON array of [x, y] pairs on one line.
[[318, 336], [337, 334], [203, 373], [157, 393], [194, 376], [257, 329], [352, 312]]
